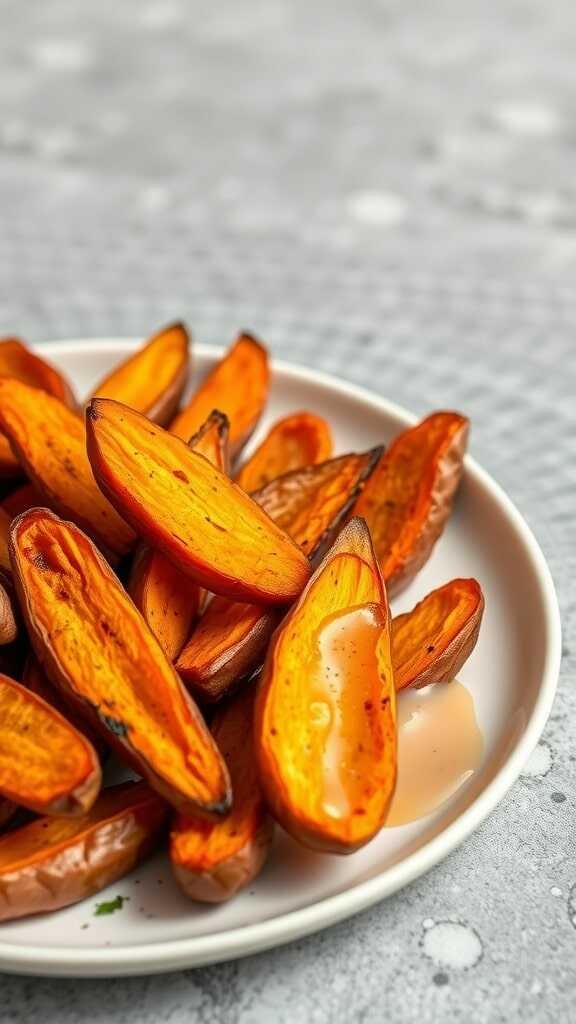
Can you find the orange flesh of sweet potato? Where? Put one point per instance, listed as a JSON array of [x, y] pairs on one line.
[[326, 714], [212, 862], [34, 678], [96, 647], [238, 386], [51, 444], [45, 764], [431, 643], [54, 862], [24, 497], [409, 495], [152, 379], [20, 362], [302, 439], [189, 510], [231, 638], [168, 599]]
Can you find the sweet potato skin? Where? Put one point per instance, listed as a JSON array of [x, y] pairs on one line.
[[97, 649], [212, 863], [445, 645], [152, 379], [311, 504], [410, 494], [293, 712], [52, 863], [50, 442], [238, 386], [229, 641], [30, 729], [301, 439], [8, 623], [18, 361], [189, 510]]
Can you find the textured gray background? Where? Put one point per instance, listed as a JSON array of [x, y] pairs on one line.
[[384, 190]]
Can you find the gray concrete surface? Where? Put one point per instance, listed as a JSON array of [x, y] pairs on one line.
[[384, 190]]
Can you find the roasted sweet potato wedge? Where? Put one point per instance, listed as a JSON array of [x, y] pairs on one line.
[[153, 378], [50, 441], [24, 497], [96, 647], [189, 510], [409, 496], [230, 639], [18, 361], [431, 643], [302, 439], [45, 763], [8, 623], [228, 643], [212, 862], [54, 862], [325, 728], [213, 441], [168, 599], [238, 386], [36, 680], [311, 504]]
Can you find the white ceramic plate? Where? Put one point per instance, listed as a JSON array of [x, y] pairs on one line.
[[512, 676]]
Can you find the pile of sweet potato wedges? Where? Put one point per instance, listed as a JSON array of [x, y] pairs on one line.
[[221, 624]]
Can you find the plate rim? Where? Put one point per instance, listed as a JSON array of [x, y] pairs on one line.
[[234, 943]]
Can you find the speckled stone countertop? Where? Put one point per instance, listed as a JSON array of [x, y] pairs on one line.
[[383, 190]]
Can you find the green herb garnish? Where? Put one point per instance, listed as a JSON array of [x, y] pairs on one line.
[[110, 906]]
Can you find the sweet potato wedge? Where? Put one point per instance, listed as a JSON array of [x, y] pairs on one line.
[[325, 724], [431, 643], [20, 500], [231, 638], [302, 439], [45, 764], [96, 647], [226, 646], [311, 504], [168, 599], [238, 386], [409, 496], [18, 361], [8, 622], [35, 679], [212, 862], [152, 379], [50, 441], [189, 510], [54, 862], [212, 440]]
